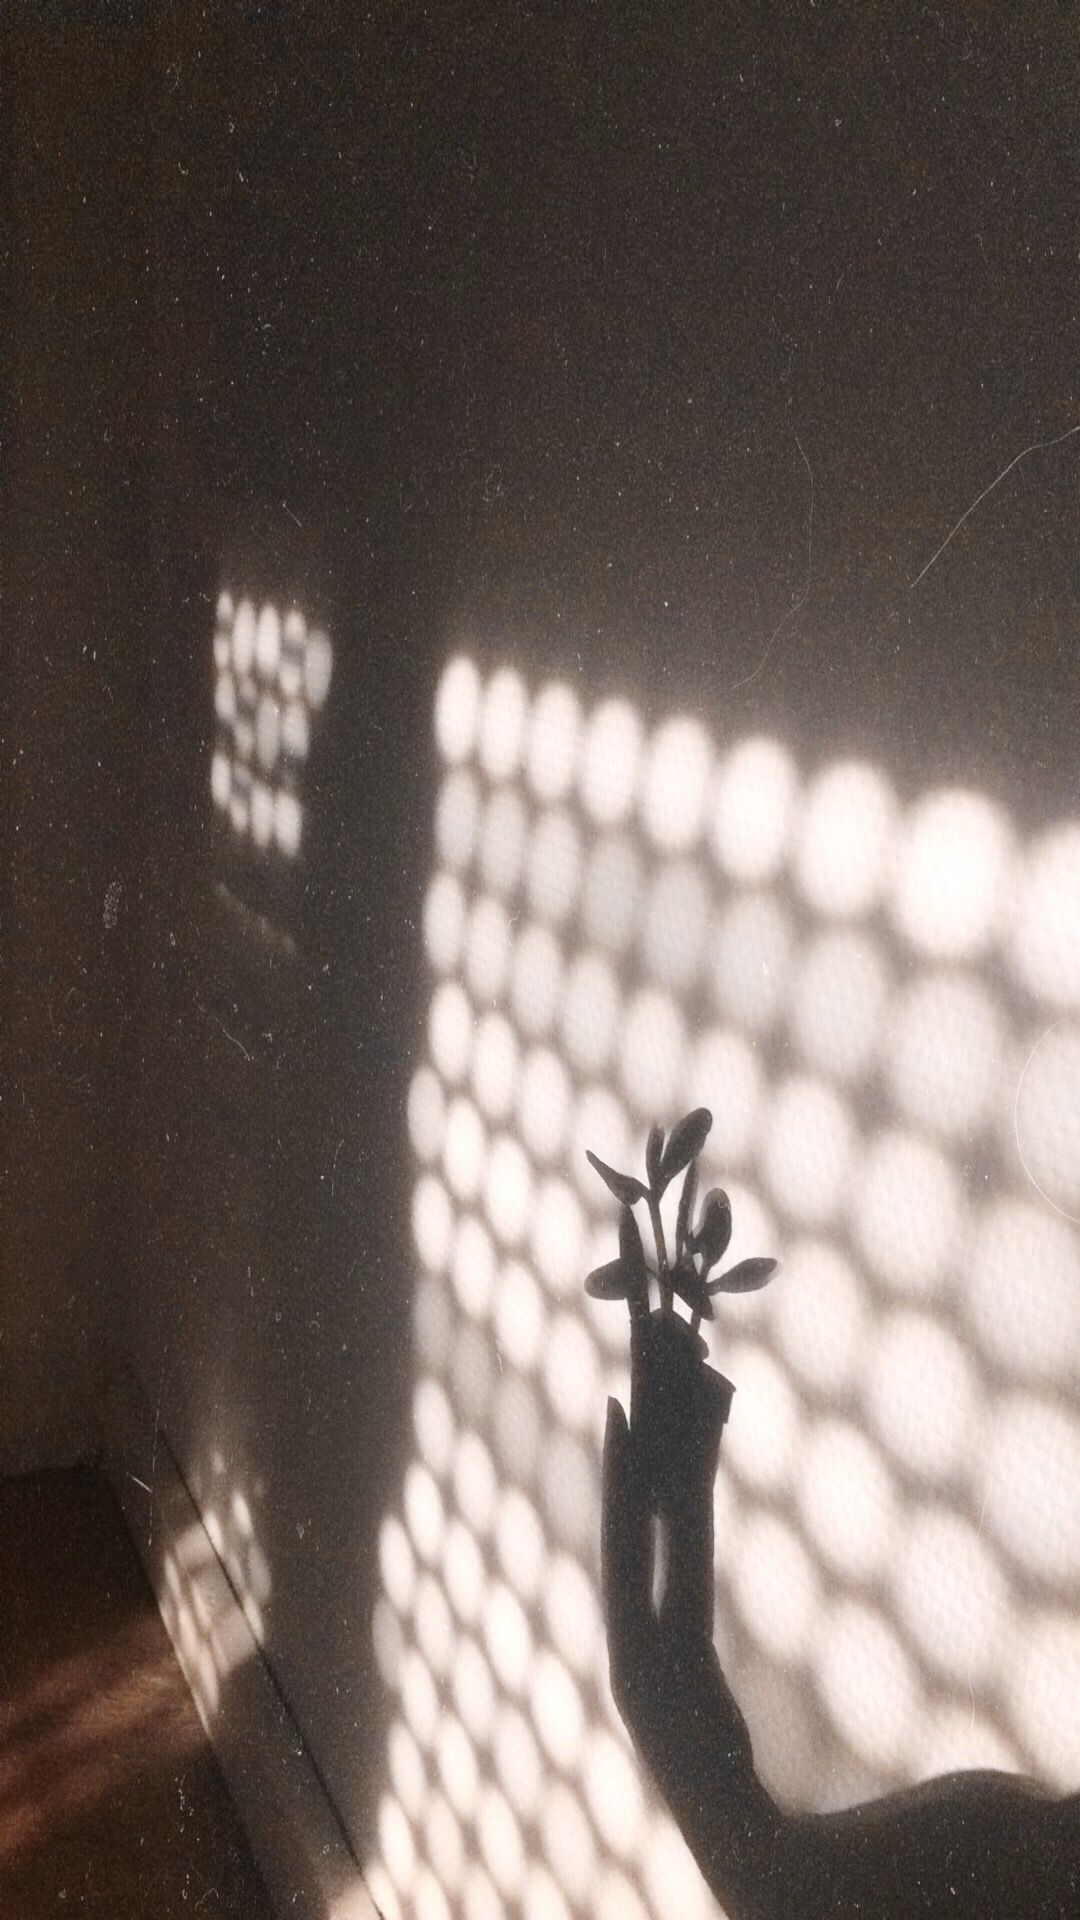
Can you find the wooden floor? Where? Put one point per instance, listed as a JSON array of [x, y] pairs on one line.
[[110, 1800]]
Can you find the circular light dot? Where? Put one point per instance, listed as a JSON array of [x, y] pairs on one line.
[[423, 1510], [843, 856], [651, 1052], [444, 922], [553, 875], [450, 1030], [519, 1315], [570, 1491], [867, 1683], [775, 1587], [220, 779], [457, 708], [474, 1482], [591, 1003], [542, 1899], [507, 1637], [268, 732], [944, 1054], [434, 1630], [387, 1640], [676, 926], [457, 816], [243, 637], [487, 948], [419, 1700], [611, 894], [225, 610], [1030, 1481], [1023, 1291], [508, 1190], [445, 1846], [225, 699], [517, 1762], [610, 762], [262, 814], [613, 1792], [921, 1396], [500, 1840], [502, 841], [1046, 1118], [544, 1103], [570, 1371], [552, 752], [752, 810], [678, 771], [616, 1898], [405, 1765], [502, 724], [295, 731], [396, 1843], [752, 960], [672, 1878], [536, 980], [724, 1075], [495, 1065], [480, 1900], [427, 1114], [600, 1124], [820, 1315], [318, 667], [951, 1596], [463, 1571], [1046, 935], [838, 1002], [1043, 1690], [808, 1148], [569, 1846], [287, 823], [572, 1614], [472, 1268], [432, 1222], [268, 641], [954, 867], [846, 1498], [457, 1764], [908, 1213], [473, 1690], [760, 1441], [465, 1150], [397, 1564], [557, 1711], [519, 1543]]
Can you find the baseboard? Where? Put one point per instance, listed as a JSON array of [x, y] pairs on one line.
[[294, 1832]]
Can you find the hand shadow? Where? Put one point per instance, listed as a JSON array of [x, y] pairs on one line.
[[966, 1846]]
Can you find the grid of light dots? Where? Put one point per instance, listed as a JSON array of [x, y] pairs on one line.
[[273, 675], [879, 1004]]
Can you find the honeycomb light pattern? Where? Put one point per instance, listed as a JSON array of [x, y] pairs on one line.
[[879, 1001], [273, 675], [203, 1615]]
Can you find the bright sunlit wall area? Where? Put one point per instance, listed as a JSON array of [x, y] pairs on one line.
[[878, 995]]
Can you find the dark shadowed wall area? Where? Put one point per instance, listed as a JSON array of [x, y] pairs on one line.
[[652, 359]]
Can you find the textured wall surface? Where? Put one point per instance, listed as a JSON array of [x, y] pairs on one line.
[[641, 369]]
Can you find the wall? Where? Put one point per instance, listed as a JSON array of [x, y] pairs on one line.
[[654, 364], [71, 594]]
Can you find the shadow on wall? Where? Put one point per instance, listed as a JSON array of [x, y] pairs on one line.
[[878, 1003]]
